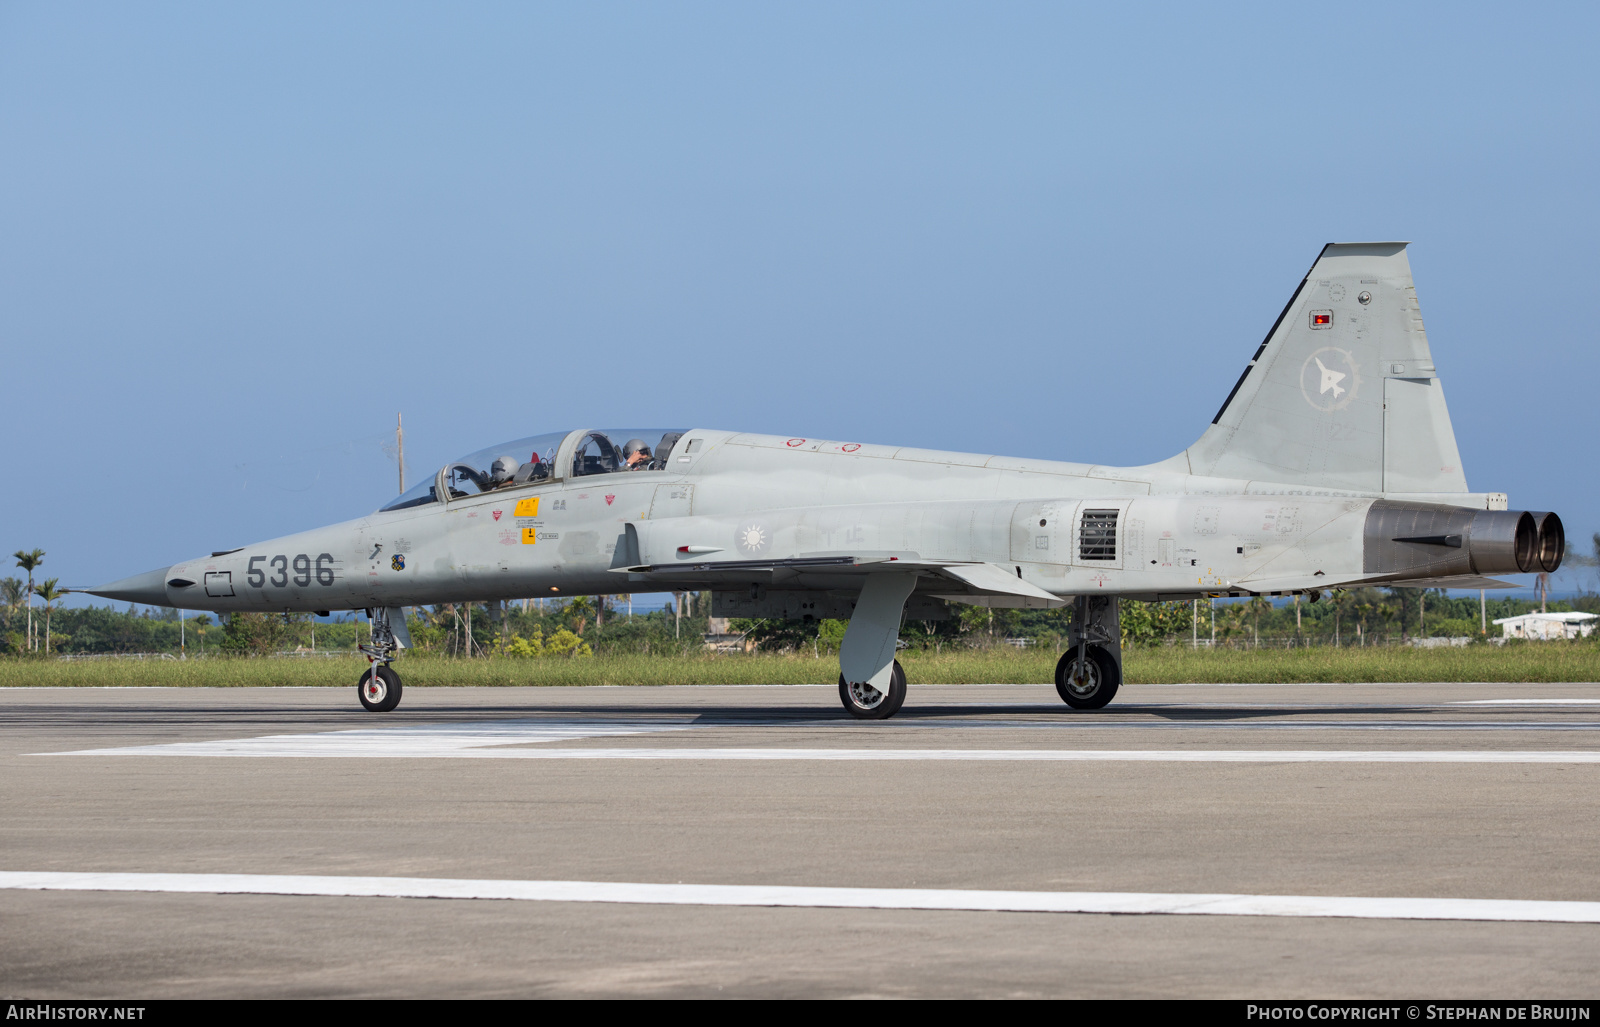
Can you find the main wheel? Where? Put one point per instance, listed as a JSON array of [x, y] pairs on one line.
[[868, 703], [379, 689], [1096, 687]]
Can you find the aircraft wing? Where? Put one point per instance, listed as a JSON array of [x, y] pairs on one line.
[[989, 581], [981, 584]]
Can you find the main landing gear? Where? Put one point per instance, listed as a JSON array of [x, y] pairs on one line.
[[872, 684], [867, 702], [379, 687], [1089, 672]]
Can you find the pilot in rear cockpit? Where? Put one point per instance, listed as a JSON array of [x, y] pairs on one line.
[[637, 455]]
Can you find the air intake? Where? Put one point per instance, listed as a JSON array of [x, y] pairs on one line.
[[1097, 535]]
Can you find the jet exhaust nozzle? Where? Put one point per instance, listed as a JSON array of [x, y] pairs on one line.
[[1551, 546], [1429, 540], [1503, 542]]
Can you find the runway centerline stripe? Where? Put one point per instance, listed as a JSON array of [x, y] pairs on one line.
[[814, 897], [1525, 702]]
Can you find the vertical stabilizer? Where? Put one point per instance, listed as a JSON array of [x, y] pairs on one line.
[[1343, 393]]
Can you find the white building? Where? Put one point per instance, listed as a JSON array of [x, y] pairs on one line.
[[1547, 625]]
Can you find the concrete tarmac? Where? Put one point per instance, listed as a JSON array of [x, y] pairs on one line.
[[433, 790]]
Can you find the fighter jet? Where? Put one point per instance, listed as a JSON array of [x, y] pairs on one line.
[[1331, 464]]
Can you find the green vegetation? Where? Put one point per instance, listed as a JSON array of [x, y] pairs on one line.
[[1515, 662], [1348, 636]]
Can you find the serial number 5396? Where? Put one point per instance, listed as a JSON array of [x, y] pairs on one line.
[[280, 565]]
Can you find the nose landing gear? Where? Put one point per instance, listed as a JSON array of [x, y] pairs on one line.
[[379, 687]]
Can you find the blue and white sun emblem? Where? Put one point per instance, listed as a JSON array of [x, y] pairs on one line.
[[752, 538]]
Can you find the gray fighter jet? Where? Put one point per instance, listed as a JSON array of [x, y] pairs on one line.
[[1331, 464]]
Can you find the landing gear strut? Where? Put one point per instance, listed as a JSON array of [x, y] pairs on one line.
[[1089, 672], [379, 687]]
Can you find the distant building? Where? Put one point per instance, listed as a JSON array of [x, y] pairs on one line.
[[1548, 625]]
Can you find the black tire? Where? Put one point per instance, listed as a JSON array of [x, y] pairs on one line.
[[1103, 674], [382, 695], [885, 707]]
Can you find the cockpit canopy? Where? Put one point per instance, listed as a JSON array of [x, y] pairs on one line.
[[533, 459]]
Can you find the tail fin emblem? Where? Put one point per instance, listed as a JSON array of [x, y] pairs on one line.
[[1330, 379]]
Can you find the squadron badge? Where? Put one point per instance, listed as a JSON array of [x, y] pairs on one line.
[[1330, 379], [398, 562]]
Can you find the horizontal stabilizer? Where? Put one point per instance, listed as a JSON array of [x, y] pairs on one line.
[[1459, 581], [1303, 583]]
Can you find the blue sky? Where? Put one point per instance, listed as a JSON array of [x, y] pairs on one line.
[[235, 239]]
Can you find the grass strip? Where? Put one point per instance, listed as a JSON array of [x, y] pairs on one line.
[[1537, 662]]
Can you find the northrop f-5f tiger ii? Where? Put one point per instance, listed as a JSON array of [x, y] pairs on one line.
[[1331, 464]]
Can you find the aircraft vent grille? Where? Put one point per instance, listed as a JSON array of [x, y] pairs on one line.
[[1097, 535]]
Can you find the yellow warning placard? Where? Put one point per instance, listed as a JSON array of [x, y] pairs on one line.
[[527, 508], [530, 535]]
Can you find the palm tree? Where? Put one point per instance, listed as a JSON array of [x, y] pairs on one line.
[[1258, 605], [579, 607], [11, 593], [1233, 620], [28, 561], [1342, 603], [50, 594]]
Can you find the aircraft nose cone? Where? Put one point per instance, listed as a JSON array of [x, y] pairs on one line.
[[149, 588]]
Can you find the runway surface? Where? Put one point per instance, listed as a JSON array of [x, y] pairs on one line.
[[1418, 840]]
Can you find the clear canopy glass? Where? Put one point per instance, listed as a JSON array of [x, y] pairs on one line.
[[531, 460]]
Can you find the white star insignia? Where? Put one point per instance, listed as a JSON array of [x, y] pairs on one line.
[[1330, 379]]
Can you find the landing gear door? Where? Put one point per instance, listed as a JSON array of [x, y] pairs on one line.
[[672, 501], [1041, 532]]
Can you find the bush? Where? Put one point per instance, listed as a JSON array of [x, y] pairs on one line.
[[562, 643], [254, 634]]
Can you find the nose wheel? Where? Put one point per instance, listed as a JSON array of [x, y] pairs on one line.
[[865, 702], [379, 689]]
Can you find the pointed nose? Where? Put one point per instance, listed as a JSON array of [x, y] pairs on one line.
[[149, 588]]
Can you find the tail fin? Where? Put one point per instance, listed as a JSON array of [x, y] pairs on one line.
[[1343, 393]]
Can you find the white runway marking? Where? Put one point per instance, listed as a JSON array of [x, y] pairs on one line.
[[845, 898], [410, 742], [506, 740], [1525, 702], [520, 740]]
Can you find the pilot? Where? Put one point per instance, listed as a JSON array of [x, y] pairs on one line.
[[503, 471], [636, 455]]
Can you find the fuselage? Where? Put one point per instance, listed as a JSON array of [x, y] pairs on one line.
[[740, 499]]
